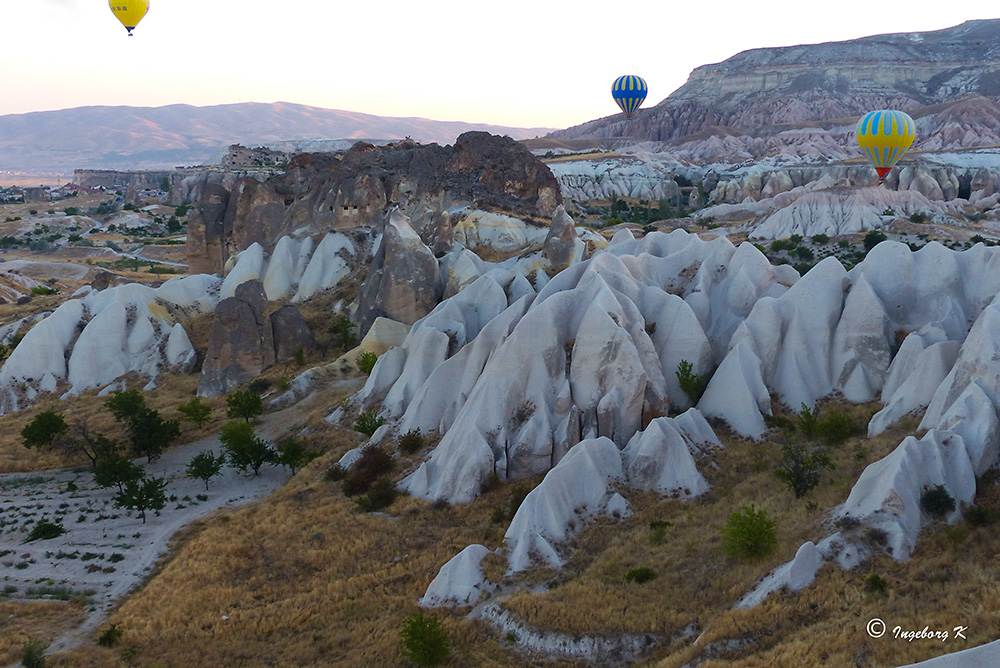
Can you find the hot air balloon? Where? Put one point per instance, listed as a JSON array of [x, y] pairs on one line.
[[885, 135], [129, 12], [629, 91]]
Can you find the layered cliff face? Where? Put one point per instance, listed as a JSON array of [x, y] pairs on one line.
[[340, 191], [761, 88]]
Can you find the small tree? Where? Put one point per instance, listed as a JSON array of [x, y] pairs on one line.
[[293, 455], [749, 534], [808, 421], [116, 470], [244, 405], [344, 330], [195, 412], [425, 640], [800, 467], [244, 449], [44, 429], [149, 434], [205, 466], [142, 494]]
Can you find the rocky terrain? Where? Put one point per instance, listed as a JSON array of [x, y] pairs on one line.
[[585, 356]]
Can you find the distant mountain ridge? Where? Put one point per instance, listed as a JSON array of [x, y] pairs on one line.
[[181, 134], [760, 91]]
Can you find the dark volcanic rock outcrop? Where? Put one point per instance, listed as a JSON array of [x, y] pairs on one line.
[[291, 332], [240, 345], [340, 191]]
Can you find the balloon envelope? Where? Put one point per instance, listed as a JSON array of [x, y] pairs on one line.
[[885, 136], [129, 12], [629, 91]]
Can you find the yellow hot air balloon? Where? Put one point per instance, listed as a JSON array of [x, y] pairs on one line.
[[129, 12], [885, 136]]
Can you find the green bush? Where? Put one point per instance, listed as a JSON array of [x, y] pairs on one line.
[[820, 239], [259, 385], [379, 496], [876, 584], [640, 575], [835, 428], [937, 502], [44, 530], [33, 653], [368, 422], [749, 534], [373, 463], [411, 442], [692, 384], [425, 640], [366, 362], [873, 239], [335, 472], [978, 516], [43, 290], [658, 532], [110, 636]]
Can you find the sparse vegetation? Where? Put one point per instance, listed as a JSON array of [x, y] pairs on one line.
[[368, 422], [641, 575], [44, 530]]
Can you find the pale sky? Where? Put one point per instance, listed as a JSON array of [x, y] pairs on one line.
[[538, 63]]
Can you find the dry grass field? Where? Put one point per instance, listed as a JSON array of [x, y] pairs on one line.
[[305, 578]]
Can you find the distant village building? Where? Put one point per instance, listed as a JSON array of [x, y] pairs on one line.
[[37, 195], [262, 156]]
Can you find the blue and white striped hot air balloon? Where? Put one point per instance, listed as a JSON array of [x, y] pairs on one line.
[[629, 91], [885, 136]]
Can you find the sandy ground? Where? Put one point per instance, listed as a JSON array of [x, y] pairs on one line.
[[105, 551]]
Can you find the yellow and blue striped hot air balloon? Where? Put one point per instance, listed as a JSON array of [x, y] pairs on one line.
[[129, 12], [629, 91], [885, 136]]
